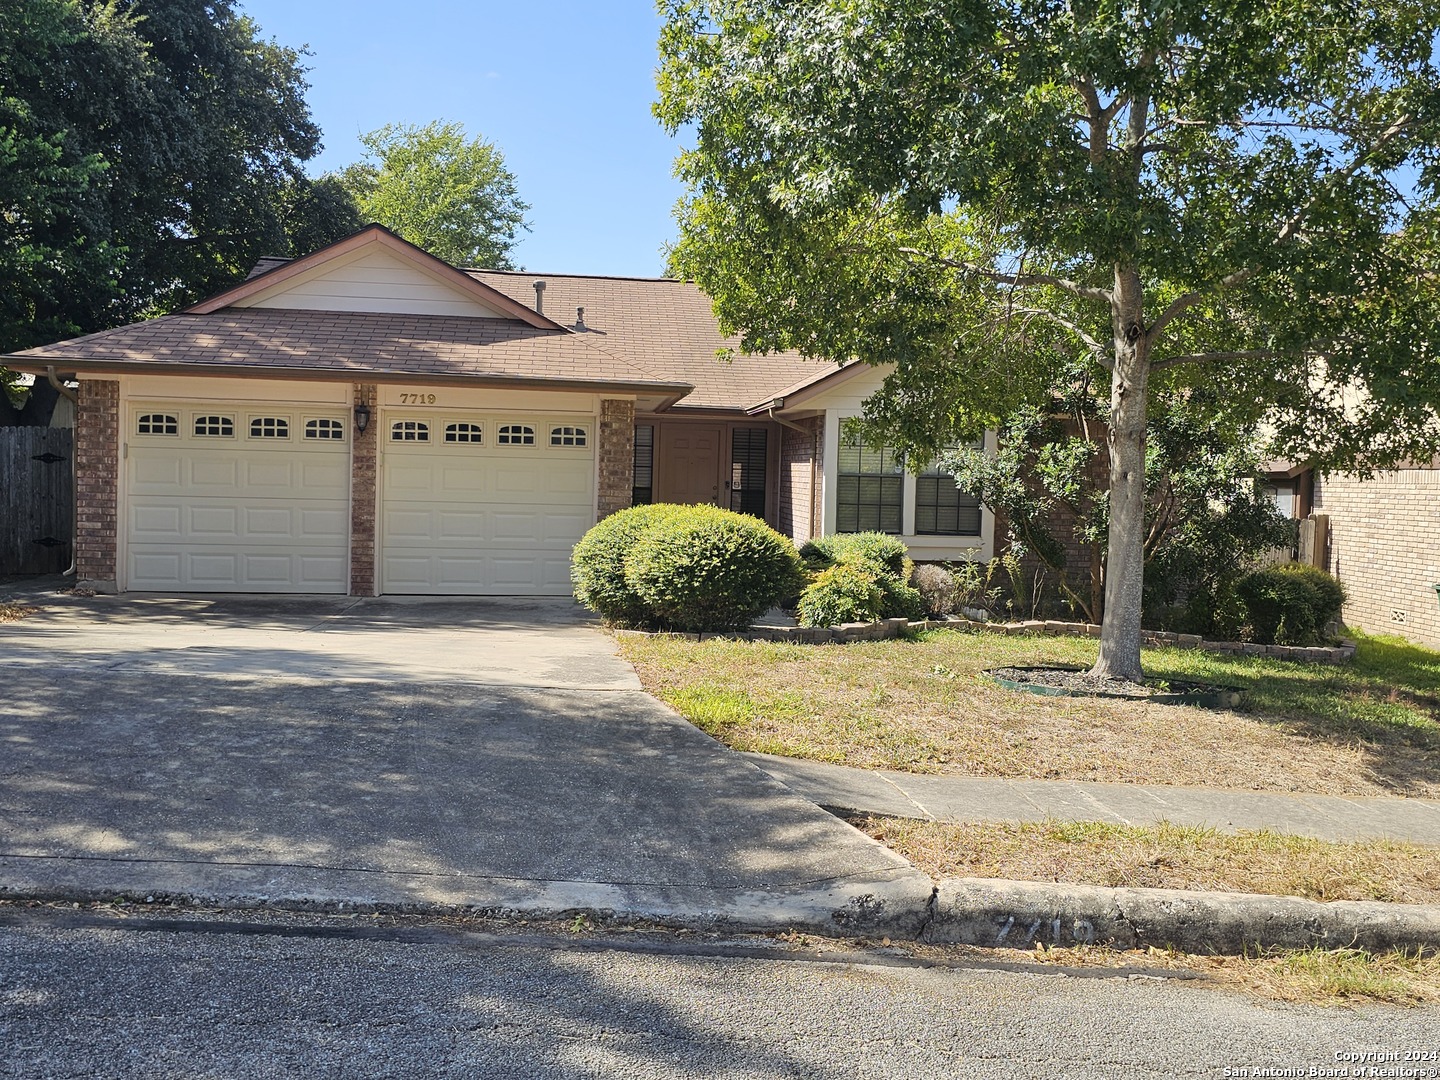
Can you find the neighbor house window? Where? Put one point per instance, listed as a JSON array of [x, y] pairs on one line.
[[217, 426], [409, 431], [464, 433], [644, 480], [567, 436], [157, 424], [515, 435], [269, 427], [870, 487], [324, 429]]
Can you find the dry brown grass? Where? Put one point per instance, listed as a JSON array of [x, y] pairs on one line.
[[926, 706], [10, 611], [1304, 976], [1166, 856]]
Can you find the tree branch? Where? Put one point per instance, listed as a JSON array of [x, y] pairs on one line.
[[1101, 352], [1019, 281], [1287, 230], [1210, 357]]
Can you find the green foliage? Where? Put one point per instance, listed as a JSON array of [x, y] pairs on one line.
[[700, 568], [901, 600], [1290, 604], [886, 553], [442, 191], [149, 155], [597, 566], [1013, 203], [844, 593], [1206, 520]]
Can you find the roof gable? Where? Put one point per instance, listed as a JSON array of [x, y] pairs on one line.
[[373, 271]]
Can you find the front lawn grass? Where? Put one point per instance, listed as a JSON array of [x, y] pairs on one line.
[[924, 705], [1166, 856]]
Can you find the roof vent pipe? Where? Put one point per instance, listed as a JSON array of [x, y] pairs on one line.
[[579, 318], [540, 298]]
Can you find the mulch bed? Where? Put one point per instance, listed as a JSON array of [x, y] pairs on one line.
[[1078, 682]]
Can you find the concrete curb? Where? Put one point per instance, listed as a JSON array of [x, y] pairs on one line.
[[998, 913], [892, 903], [986, 912]]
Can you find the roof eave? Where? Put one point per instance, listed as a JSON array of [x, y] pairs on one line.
[[672, 391]]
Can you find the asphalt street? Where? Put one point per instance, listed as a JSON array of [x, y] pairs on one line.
[[130, 998]]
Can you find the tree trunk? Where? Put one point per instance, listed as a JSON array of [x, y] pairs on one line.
[[1125, 558]]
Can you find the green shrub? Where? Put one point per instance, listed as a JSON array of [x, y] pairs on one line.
[[885, 552], [597, 566], [844, 593], [701, 568], [900, 600], [1289, 604], [937, 587]]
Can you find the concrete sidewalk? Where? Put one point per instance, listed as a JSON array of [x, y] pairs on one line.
[[963, 799]]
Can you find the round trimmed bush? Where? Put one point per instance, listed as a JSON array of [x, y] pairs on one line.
[[1290, 604], [937, 587], [845, 593], [597, 566], [885, 552], [702, 569]]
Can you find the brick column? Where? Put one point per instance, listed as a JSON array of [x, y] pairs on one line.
[[363, 466], [97, 483], [616, 450]]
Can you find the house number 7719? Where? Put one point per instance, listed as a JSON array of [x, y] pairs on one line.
[[417, 399]]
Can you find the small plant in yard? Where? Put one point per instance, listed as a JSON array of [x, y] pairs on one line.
[[1289, 604], [887, 554], [879, 557], [937, 587], [701, 568], [845, 593]]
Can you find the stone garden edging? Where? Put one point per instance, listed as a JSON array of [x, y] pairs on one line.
[[891, 628]]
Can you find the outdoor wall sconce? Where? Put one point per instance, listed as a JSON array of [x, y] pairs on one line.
[[362, 418]]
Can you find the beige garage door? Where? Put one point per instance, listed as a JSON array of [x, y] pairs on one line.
[[236, 499], [483, 504]]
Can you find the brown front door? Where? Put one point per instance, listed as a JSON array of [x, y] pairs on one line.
[[688, 469]]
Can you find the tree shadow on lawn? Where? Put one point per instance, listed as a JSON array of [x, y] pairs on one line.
[[1386, 703]]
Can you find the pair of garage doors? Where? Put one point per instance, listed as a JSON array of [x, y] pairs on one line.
[[257, 500]]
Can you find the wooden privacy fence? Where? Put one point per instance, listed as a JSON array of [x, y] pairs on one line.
[[37, 502]]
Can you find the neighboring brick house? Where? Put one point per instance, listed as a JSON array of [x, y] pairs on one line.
[[368, 419], [1384, 545]]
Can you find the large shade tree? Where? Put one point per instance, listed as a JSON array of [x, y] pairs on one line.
[[1004, 197], [442, 190], [150, 152]]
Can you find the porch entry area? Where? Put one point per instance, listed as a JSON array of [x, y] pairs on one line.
[[719, 463]]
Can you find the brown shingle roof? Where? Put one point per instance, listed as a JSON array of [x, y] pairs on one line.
[[348, 344], [667, 326]]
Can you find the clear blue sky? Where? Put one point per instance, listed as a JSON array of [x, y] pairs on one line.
[[564, 89]]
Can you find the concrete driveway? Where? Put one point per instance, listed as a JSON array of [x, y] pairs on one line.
[[492, 754]]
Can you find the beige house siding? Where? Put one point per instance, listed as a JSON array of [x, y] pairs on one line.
[[1385, 547], [375, 280]]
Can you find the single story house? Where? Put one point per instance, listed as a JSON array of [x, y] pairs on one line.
[[369, 419]]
